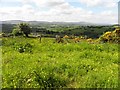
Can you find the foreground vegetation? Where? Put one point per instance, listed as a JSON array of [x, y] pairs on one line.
[[27, 63]]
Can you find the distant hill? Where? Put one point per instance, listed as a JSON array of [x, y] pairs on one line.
[[20, 21], [12, 21], [55, 23], [92, 30]]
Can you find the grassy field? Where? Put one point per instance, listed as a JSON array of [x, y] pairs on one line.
[[27, 63]]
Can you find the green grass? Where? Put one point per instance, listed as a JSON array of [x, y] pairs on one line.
[[49, 64]]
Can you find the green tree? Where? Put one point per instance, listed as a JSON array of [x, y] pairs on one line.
[[25, 28], [22, 28], [16, 32]]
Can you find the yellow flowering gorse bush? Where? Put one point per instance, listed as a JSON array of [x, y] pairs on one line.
[[113, 36]]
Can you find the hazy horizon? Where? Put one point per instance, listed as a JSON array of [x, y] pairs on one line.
[[59, 22], [96, 11]]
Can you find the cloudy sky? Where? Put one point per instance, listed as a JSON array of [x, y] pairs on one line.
[[96, 11]]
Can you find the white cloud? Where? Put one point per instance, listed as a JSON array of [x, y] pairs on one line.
[[100, 3], [104, 17], [58, 10], [45, 3], [91, 3], [16, 12]]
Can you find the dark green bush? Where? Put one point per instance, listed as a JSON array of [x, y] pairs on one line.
[[24, 48]]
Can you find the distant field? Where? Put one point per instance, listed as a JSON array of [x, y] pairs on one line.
[[59, 29], [27, 63]]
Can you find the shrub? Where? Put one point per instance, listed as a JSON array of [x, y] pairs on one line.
[[71, 37], [111, 36], [66, 37], [106, 37], [25, 28], [24, 47], [77, 39], [10, 34], [22, 28], [89, 40], [3, 34], [16, 32], [116, 35]]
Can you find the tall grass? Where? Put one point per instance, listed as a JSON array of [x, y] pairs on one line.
[[49, 64]]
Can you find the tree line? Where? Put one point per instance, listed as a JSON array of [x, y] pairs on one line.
[[89, 31]]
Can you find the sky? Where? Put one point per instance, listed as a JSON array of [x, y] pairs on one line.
[[95, 11]]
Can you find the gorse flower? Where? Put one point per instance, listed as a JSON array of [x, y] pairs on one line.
[[89, 40], [111, 36], [76, 39], [66, 36]]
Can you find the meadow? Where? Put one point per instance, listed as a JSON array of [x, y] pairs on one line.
[[27, 63]]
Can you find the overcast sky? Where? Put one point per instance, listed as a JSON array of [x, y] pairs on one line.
[[96, 11]]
